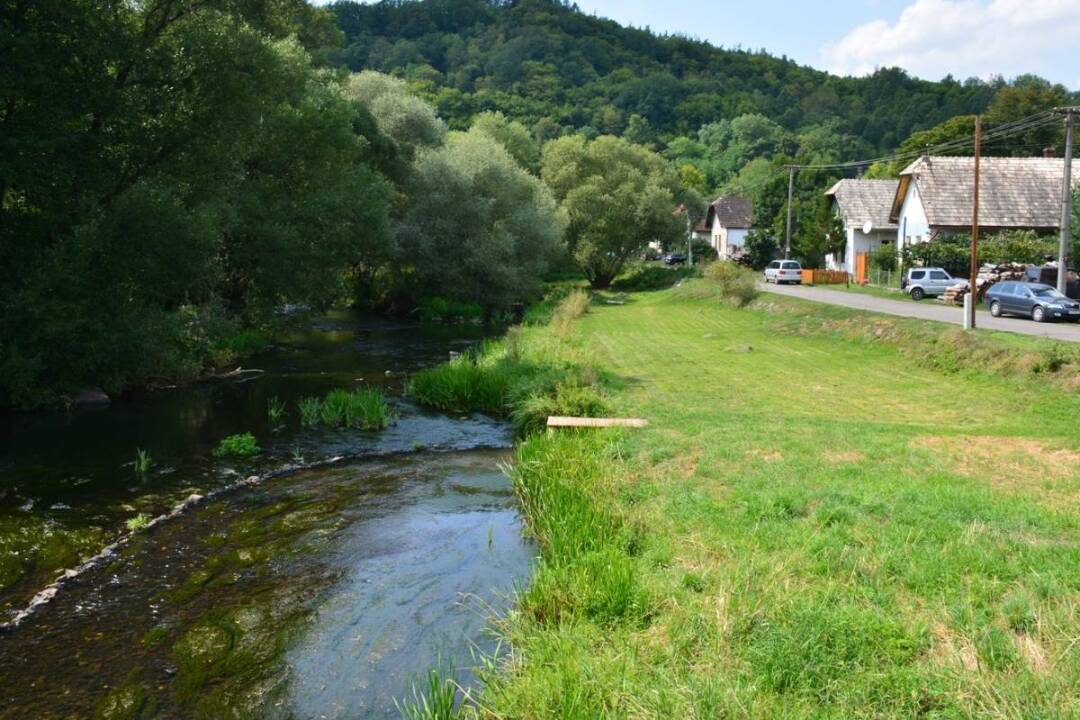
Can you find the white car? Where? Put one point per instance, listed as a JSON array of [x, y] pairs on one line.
[[928, 282], [783, 271]]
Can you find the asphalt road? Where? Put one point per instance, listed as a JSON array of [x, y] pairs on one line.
[[926, 310]]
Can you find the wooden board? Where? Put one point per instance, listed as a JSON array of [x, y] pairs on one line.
[[585, 422]]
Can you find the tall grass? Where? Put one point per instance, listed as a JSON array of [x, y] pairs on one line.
[[587, 569], [364, 409], [435, 700], [524, 377]]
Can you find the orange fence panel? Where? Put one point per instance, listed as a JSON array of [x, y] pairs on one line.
[[820, 276]]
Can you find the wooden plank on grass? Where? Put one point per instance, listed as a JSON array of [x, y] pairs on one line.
[[586, 422]]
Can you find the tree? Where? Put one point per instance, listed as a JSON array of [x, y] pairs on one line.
[[406, 119], [512, 135], [153, 154], [478, 227], [616, 196]]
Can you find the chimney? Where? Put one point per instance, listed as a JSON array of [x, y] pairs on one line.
[[1049, 152]]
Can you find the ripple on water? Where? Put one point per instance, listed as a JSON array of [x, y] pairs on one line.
[[317, 595]]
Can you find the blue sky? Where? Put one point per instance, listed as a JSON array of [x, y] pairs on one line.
[[929, 38]]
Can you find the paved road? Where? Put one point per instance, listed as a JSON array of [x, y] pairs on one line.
[[926, 310]]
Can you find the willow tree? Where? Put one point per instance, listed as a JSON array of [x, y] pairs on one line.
[[617, 197]]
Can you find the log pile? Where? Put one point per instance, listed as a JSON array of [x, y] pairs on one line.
[[988, 276]]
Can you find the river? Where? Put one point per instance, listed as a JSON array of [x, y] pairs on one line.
[[320, 592]]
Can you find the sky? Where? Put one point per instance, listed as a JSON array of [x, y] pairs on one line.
[[928, 38]]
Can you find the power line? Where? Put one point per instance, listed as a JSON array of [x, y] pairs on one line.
[[1000, 132]]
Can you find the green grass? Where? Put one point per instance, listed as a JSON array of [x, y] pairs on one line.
[[138, 522], [364, 409], [815, 524], [242, 445], [526, 377], [275, 410], [143, 461]]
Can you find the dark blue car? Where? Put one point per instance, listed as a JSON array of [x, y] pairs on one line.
[[1034, 300]]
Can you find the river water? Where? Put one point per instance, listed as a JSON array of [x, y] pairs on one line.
[[321, 593]]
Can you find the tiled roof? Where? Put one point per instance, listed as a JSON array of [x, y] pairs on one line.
[[733, 212], [1013, 192], [862, 201]]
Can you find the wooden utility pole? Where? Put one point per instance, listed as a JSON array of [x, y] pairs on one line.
[[790, 191], [973, 286], [1066, 201]]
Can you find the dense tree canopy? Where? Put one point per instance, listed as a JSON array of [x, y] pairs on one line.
[[479, 227], [617, 197]]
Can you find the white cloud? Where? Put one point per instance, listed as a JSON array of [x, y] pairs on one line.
[[933, 38]]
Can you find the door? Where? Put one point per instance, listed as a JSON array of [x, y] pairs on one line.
[[862, 263], [1024, 299], [940, 281]]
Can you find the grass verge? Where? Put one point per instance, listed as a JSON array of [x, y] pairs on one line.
[[819, 522]]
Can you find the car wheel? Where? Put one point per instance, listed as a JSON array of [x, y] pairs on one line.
[[917, 294], [1038, 314], [995, 309]]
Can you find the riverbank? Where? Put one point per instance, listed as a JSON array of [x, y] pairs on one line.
[[816, 523]]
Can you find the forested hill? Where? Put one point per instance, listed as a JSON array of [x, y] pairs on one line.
[[548, 64]]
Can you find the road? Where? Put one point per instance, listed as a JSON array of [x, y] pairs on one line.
[[926, 310]]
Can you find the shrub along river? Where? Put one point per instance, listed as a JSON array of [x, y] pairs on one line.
[[323, 592]]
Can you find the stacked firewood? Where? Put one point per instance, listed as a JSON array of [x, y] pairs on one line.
[[988, 276], [955, 294]]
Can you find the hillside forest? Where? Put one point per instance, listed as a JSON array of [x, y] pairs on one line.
[[178, 177]]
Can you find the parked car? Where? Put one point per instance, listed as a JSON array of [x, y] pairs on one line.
[[927, 282], [674, 259], [1047, 275], [1034, 300], [783, 271]]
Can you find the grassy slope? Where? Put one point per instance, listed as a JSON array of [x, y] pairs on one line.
[[818, 528]]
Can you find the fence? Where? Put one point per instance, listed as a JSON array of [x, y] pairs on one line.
[[883, 278], [824, 277]]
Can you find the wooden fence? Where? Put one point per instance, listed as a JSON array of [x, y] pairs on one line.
[[824, 277]]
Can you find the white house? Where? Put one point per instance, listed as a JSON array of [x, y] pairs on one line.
[[935, 196], [863, 207], [728, 221]]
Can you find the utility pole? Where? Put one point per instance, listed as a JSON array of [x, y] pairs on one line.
[[790, 191], [973, 287], [1066, 201], [689, 237]]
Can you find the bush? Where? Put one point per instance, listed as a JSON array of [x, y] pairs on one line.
[[884, 258], [243, 445], [737, 285], [440, 309], [644, 276]]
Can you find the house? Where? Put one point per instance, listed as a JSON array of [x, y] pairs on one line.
[[702, 232], [934, 196], [863, 207], [728, 220]]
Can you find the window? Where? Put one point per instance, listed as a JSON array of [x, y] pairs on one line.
[[938, 275], [774, 264], [918, 274], [790, 266], [1006, 288]]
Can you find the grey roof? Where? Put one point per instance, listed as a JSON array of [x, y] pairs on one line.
[[1013, 192], [733, 212], [862, 201]]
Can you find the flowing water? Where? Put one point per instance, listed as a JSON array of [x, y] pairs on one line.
[[322, 593]]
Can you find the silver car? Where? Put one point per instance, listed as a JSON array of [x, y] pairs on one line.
[[928, 282], [1034, 300], [783, 271]]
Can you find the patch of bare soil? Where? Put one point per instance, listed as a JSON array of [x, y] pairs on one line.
[[1010, 463]]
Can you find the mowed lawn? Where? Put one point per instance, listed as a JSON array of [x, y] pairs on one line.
[[829, 530]]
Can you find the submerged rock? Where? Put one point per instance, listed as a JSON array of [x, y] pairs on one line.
[[90, 397]]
